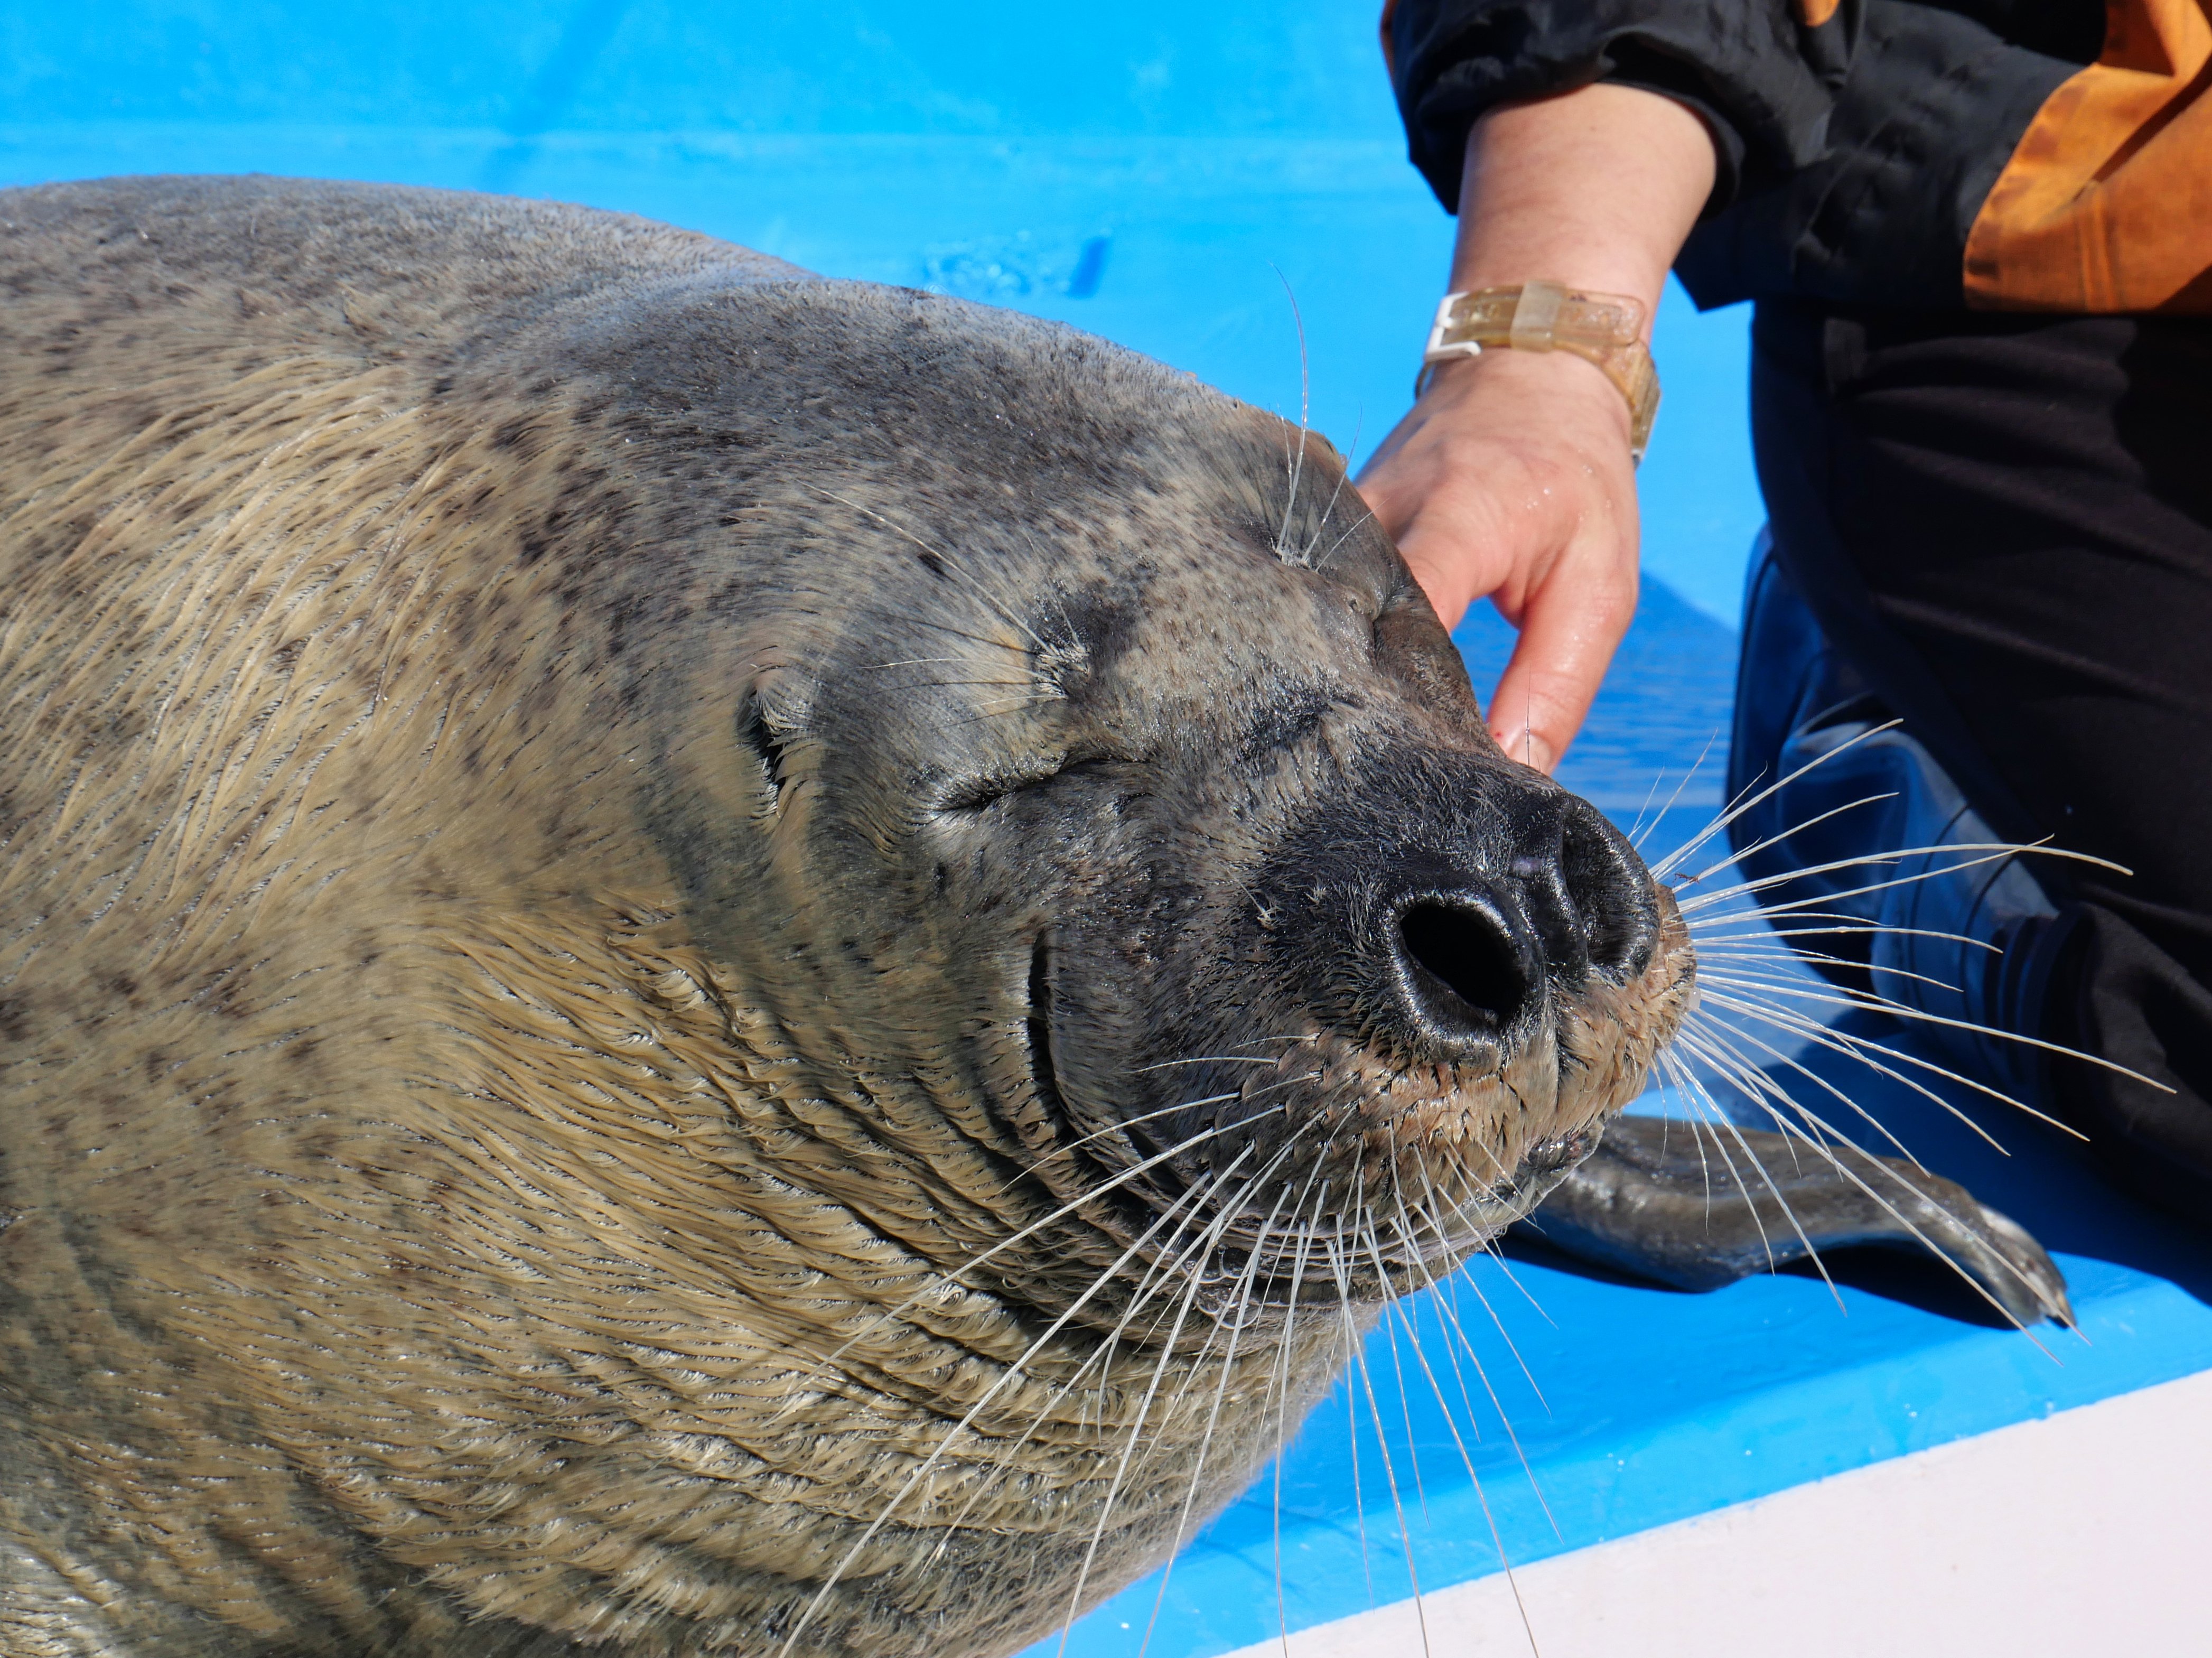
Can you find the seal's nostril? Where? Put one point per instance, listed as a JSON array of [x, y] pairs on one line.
[[1610, 894], [1463, 968]]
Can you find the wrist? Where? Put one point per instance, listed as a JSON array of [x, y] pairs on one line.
[[1569, 396], [1544, 317]]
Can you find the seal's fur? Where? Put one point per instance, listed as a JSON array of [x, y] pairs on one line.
[[588, 820]]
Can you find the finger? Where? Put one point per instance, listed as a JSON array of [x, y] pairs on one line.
[[1460, 547], [1569, 632], [1386, 483]]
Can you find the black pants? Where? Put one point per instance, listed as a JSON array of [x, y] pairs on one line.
[[2005, 523]]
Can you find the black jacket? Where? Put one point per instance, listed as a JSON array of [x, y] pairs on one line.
[[1854, 155]]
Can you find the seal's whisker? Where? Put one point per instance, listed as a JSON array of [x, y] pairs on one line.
[[971, 684], [1349, 531], [963, 633], [1366, 1385], [1208, 1058], [1143, 1409], [1636, 828], [1858, 1046], [1792, 1123], [1395, 1300], [1306, 552], [1059, 1151], [1687, 1082], [1169, 1259], [1722, 1120], [1005, 1244], [1772, 1100], [1992, 852], [1282, 1389], [1706, 900], [1751, 1001], [1305, 408], [1674, 860], [1350, 1333], [830, 1583], [1776, 1056], [1101, 1356], [1006, 612], [1183, 1280], [1489, 1247], [1765, 940], [1486, 1237], [1169, 1262], [1163, 1273], [1445, 1292], [1006, 705], [1466, 1457], [1873, 1003], [1452, 1315], [1737, 854], [1213, 1416], [1639, 829]]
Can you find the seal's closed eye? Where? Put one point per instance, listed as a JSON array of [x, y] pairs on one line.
[[974, 793]]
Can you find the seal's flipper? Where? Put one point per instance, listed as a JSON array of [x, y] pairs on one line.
[[1652, 1200]]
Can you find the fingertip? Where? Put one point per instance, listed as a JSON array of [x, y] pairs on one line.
[[1532, 749]]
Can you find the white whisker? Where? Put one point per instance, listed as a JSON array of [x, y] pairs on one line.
[[1736, 809]]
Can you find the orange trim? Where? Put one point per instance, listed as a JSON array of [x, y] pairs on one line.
[[1389, 57], [2106, 203], [1817, 12]]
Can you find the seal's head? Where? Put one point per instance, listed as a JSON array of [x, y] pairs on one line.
[[1066, 752], [1156, 799]]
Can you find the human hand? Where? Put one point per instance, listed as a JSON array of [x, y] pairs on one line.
[[1511, 479]]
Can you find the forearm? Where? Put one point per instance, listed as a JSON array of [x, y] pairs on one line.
[[1597, 188]]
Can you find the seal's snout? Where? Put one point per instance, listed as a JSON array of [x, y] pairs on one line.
[[1471, 949]]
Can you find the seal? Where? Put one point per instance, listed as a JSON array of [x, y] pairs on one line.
[[701, 960]]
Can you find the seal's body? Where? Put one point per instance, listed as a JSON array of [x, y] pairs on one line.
[[695, 960]]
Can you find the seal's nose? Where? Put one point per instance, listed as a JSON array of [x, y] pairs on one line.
[[1471, 954], [1454, 910]]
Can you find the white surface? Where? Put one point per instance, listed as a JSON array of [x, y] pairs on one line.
[[2084, 1534]]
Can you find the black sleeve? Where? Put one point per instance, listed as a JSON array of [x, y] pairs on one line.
[[1853, 156], [1764, 83]]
